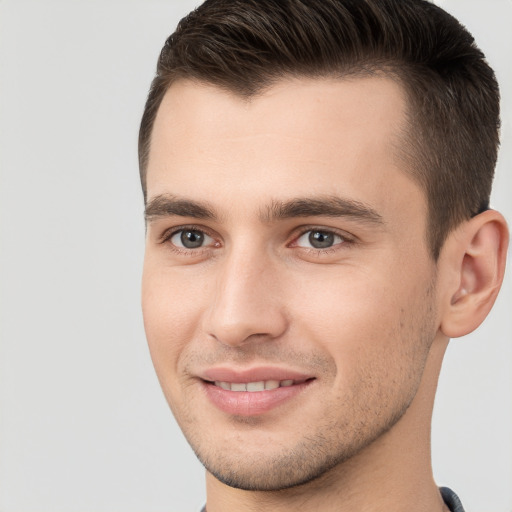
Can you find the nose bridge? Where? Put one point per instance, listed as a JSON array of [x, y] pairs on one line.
[[246, 301]]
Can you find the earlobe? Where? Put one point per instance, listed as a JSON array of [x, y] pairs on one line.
[[477, 256]]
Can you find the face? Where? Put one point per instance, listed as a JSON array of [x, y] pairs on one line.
[[288, 292]]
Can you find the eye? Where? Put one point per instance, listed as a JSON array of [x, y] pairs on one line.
[[190, 239], [319, 239]]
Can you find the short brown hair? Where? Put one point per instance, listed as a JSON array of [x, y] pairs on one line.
[[245, 46]]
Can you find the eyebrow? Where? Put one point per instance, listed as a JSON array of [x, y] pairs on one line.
[[166, 205], [324, 206]]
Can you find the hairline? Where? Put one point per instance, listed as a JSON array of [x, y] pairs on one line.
[[390, 71]]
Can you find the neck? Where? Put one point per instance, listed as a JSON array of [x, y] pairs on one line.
[[392, 473]]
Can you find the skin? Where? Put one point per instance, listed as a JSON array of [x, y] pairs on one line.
[[367, 318]]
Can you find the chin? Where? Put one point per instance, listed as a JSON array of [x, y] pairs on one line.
[[270, 477], [310, 460]]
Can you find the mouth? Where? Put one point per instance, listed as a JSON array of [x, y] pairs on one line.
[[254, 387], [253, 392]]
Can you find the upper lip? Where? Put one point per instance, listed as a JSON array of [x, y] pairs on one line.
[[226, 374]]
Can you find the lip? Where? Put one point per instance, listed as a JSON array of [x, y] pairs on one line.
[[245, 403], [227, 374]]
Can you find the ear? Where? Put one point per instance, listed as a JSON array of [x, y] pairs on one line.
[[473, 258]]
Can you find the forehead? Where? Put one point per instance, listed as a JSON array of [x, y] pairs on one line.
[[299, 137], [318, 108]]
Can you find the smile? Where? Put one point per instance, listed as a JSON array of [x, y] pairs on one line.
[[253, 397], [251, 387]]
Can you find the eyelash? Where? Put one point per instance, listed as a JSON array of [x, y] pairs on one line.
[[166, 237], [347, 240]]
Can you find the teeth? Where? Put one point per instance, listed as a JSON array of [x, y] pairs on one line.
[[254, 386], [271, 384]]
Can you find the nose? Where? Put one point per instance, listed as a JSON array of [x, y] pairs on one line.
[[247, 302]]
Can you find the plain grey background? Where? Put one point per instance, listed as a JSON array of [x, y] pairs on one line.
[[83, 423]]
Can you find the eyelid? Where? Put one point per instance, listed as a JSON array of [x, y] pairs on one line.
[[168, 233], [347, 237]]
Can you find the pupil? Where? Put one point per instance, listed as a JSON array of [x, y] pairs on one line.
[[192, 239], [321, 240]]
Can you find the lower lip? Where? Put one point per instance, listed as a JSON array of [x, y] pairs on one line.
[[246, 403]]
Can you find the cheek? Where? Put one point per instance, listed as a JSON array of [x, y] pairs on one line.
[[346, 303], [171, 311], [370, 323]]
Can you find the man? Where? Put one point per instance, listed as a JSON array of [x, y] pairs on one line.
[[317, 178]]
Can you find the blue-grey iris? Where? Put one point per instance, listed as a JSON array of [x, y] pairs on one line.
[[321, 239], [192, 239]]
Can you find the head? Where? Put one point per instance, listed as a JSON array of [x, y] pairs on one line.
[[316, 176]]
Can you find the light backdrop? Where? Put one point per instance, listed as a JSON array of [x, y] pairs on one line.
[[83, 423]]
